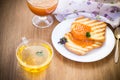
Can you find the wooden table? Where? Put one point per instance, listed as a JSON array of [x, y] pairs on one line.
[[15, 23]]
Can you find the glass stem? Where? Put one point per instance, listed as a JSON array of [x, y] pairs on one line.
[[44, 18]]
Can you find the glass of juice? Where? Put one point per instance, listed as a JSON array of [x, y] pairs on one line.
[[34, 55], [42, 9]]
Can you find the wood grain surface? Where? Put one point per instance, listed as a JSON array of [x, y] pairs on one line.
[[15, 23]]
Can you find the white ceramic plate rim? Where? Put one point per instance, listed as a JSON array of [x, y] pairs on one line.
[[94, 55]]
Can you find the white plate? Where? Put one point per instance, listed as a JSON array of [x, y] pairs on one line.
[[93, 55]]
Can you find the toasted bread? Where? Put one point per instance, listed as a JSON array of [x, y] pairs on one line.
[[96, 39], [77, 49], [97, 27]]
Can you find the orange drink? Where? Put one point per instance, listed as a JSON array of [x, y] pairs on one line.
[[34, 56], [42, 7]]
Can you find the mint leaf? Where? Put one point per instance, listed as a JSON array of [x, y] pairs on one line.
[[88, 34], [39, 53]]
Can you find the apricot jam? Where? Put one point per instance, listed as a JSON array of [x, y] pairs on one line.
[[78, 35]]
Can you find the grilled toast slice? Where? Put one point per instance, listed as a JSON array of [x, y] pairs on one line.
[[98, 28], [77, 40], [79, 49]]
